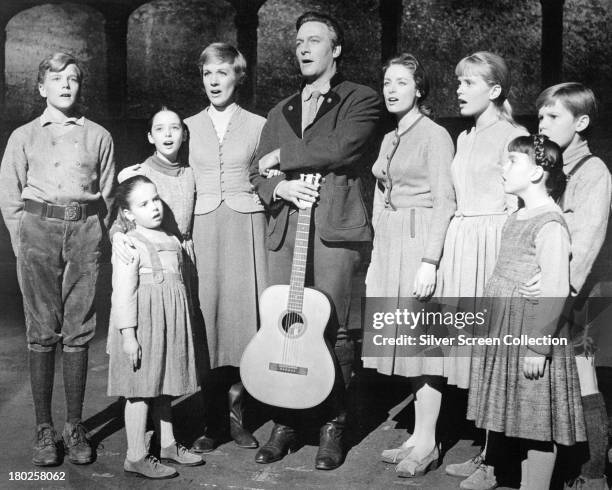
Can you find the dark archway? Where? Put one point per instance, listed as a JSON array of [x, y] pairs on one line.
[[83, 36], [165, 38]]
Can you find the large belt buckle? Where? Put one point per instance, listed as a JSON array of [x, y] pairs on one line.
[[72, 212]]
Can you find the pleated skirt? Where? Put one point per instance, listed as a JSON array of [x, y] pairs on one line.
[[502, 399], [167, 366], [231, 262], [400, 239], [470, 253]]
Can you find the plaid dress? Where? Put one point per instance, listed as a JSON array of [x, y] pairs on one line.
[[501, 397]]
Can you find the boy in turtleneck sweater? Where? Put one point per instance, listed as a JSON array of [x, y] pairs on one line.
[[565, 112]]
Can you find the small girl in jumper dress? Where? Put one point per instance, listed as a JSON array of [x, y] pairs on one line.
[[150, 345], [529, 391]]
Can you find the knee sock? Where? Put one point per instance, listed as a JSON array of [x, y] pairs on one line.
[[596, 420], [42, 372], [161, 410], [430, 399], [75, 376], [135, 414], [540, 468], [524, 474]]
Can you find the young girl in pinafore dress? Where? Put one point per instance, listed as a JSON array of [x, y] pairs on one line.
[[529, 391], [150, 338]]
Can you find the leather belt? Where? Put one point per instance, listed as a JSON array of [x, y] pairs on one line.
[[71, 212]]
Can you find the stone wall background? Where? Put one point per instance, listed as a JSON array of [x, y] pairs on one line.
[[441, 32], [34, 34], [165, 38], [278, 75]]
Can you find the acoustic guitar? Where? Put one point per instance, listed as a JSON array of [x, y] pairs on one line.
[[287, 363]]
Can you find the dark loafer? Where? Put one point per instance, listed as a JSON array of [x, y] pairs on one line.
[[204, 444], [283, 440]]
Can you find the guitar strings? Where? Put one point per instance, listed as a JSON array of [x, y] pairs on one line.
[[293, 318]]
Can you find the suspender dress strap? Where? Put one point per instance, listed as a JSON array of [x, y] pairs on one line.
[[156, 265], [572, 172], [582, 161]]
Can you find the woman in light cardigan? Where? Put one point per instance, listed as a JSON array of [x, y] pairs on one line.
[[228, 235]]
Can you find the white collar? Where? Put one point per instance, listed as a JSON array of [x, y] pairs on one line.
[[322, 87], [227, 113], [54, 116]]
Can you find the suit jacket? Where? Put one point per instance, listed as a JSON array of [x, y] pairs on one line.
[[339, 143]]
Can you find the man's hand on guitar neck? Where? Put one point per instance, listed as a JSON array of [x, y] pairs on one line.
[[298, 192]]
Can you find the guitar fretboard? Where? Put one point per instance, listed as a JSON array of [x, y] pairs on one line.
[[300, 256]]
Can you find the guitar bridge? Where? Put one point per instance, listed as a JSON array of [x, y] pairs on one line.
[[287, 368]]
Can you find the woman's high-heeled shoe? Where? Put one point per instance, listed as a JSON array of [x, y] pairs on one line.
[[411, 468], [395, 455]]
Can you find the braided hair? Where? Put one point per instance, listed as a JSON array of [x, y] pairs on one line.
[[546, 154]]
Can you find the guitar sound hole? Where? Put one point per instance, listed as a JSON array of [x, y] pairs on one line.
[[293, 324]]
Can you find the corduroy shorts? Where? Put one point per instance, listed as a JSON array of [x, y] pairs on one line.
[[57, 268]]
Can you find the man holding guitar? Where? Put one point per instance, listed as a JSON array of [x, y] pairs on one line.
[[329, 127]]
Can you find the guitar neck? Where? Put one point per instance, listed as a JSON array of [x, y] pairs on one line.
[[300, 256]]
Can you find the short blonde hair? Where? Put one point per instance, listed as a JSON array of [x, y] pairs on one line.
[[57, 62], [226, 53]]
